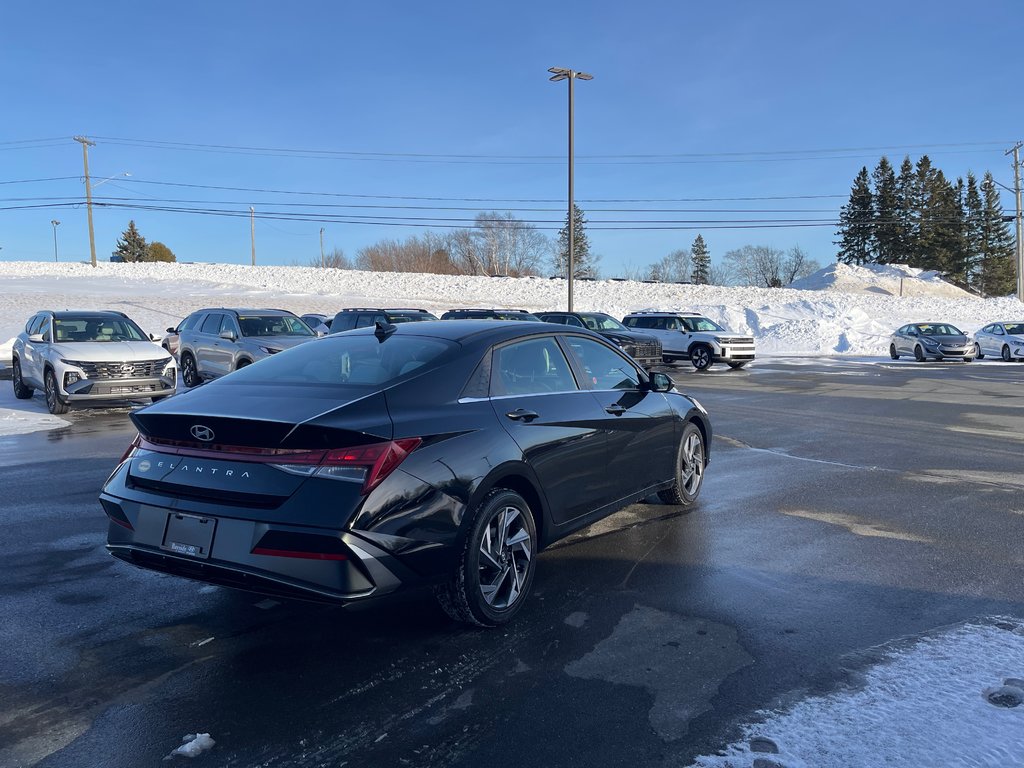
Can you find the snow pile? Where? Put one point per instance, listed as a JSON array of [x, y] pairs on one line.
[[783, 320], [883, 279], [19, 417], [193, 745], [923, 705]]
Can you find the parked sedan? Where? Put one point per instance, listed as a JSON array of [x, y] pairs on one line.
[[642, 347], [1003, 339], [940, 341], [89, 357], [369, 462]]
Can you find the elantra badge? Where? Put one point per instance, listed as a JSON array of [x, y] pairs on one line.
[[201, 432]]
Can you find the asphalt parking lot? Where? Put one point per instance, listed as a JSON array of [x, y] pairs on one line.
[[848, 504]]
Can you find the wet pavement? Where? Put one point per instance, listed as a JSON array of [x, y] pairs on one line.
[[848, 504]]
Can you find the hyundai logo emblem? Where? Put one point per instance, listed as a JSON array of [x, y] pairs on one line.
[[202, 432]]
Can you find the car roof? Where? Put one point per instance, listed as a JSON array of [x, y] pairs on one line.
[[659, 313], [463, 331], [68, 314], [379, 309], [248, 311]]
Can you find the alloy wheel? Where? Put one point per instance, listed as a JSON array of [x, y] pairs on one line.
[[692, 470], [1006, 354], [506, 551], [701, 358]]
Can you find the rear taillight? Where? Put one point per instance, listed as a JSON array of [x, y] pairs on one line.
[[131, 449], [367, 464]]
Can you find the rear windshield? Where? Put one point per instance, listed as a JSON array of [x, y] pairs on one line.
[[345, 360], [70, 329], [273, 325]]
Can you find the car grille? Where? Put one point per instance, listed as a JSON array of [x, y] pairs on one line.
[[647, 350], [139, 369]]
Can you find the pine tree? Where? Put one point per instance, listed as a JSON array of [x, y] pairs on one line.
[[887, 230], [132, 246], [701, 259], [998, 272], [941, 237], [907, 211], [974, 231], [583, 260], [856, 223]]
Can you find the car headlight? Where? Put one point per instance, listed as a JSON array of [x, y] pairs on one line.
[[269, 350], [169, 367], [930, 342], [76, 364]]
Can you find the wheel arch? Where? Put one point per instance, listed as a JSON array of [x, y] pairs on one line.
[[521, 480]]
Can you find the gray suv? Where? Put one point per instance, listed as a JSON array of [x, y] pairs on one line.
[[214, 342]]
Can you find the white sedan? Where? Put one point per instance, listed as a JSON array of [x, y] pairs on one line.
[[1003, 339]]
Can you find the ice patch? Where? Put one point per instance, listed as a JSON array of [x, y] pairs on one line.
[[193, 745]]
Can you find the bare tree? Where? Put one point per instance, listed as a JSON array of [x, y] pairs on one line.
[[336, 259], [674, 267], [426, 254], [768, 267], [506, 245]]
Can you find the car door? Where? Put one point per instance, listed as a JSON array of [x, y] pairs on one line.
[[32, 352], [210, 355], [995, 340], [907, 339], [640, 426], [556, 424]]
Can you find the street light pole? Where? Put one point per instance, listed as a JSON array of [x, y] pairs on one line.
[[1019, 217], [88, 194], [54, 222], [557, 74], [322, 263], [252, 231]]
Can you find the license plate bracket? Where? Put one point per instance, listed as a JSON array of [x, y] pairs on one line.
[[189, 535]]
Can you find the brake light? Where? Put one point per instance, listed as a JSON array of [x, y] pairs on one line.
[[377, 461], [130, 449]]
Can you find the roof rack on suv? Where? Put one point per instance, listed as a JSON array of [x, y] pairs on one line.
[[381, 309], [489, 309], [666, 312]]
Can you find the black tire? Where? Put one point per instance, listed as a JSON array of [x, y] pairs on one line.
[[919, 354], [668, 360], [189, 373], [492, 580], [21, 390], [1005, 354], [737, 364], [689, 469], [53, 402], [893, 353], [978, 354], [701, 356], [242, 363]]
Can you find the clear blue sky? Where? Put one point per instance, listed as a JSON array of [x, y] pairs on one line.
[[823, 87]]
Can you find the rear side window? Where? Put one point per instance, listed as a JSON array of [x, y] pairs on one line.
[[358, 360], [639, 322], [343, 321], [535, 366], [190, 322]]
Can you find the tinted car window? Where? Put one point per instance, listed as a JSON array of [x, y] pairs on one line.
[[531, 367], [212, 323], [345, 361], [343, 321], [34, 324], [605, 368], [271, 325], [190, 322]]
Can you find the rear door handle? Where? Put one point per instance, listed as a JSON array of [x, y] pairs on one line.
[[521, 414], [615, 410]]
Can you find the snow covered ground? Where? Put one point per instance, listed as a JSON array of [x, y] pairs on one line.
[[839, 310]]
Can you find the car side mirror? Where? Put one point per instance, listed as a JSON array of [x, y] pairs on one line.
[[36, 338], [660, 382], [229, 335], [153, 337], [172, 330]]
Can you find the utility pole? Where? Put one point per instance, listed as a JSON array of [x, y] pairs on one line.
[[252, 227], [1020, 243], [54, 222], [88, 194], [322, 262]]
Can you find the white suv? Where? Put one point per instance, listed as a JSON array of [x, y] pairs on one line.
[[88, 357], [691, 335]]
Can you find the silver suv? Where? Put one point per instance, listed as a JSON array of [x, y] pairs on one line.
[[214, 342], [691, 335], [88, 357]]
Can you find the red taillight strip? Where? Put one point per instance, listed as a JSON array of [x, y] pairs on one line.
[[299, 554]]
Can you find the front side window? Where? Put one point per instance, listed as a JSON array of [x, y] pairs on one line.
[[34, 324], [698, 324], [598, 321], [535, 366], [272, 325], [997, 330], [604, 367]]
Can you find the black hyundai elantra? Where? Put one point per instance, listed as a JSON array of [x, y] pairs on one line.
[[442, 454]]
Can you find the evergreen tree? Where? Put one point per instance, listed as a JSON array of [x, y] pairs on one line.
[[132, 246], [856, 223], [887, 230], [157, 251], [907, 210], [998, 272], [941, 237], [974, 231], [701, 259], [583, 261]]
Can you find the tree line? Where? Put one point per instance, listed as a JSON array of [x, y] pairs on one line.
[[920, 218], [132, 246]]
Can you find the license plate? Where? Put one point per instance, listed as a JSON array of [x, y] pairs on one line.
[[189, 535]]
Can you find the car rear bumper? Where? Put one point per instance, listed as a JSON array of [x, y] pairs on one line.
[[285, 561]]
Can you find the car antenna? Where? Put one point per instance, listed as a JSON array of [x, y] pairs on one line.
[[383, 330]]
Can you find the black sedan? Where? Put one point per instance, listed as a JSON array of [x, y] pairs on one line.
[[442, 454]]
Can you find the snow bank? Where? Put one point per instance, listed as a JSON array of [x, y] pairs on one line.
[[882, 279], [784, 321], [18, 417]]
